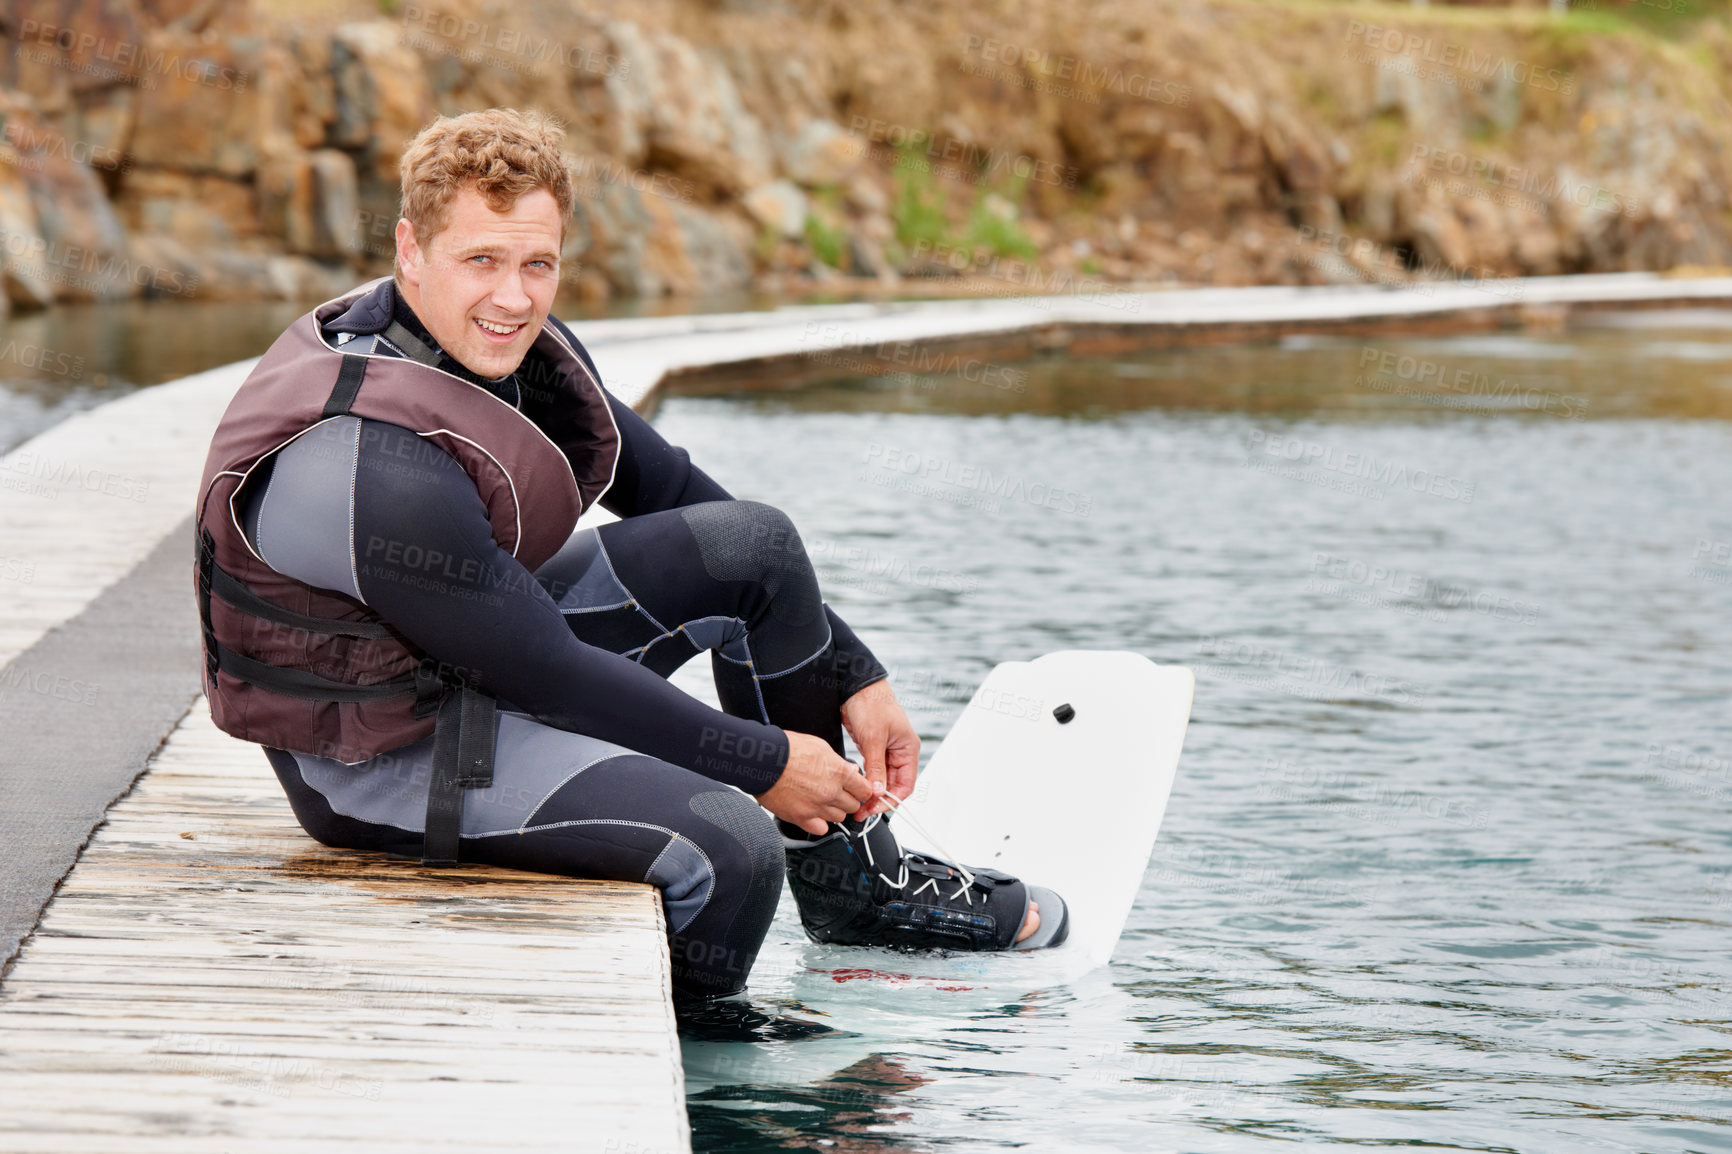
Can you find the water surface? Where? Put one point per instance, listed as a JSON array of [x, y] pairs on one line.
[[1448, 862], [69, 358]]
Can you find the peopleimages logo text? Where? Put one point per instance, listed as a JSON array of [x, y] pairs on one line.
[[1462, 59], [1305, 676], [1090, 78], [962, 475], [504, 43], [959, 158], [1300, 453], [127, 56]]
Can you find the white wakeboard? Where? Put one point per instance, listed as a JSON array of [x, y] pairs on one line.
[[1071, 806]]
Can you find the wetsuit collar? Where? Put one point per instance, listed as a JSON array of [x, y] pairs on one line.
[[377, 311]]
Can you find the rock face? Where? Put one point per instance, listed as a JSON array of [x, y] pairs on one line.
[[779, 206], [192, 147], [382, 96], [22, 271], [198, 108], [310, 200], [821, 154], [680, 111], [60, 238]]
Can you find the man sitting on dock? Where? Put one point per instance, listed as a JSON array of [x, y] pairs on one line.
[[396, 606]]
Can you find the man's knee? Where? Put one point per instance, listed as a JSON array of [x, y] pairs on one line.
[[747, 541], [753, 846], [745, 846]]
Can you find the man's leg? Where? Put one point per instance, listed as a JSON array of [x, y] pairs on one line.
[[734, 578], [562, 803], [731, 577]]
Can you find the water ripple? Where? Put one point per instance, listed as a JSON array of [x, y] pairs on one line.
[[1447, 863]]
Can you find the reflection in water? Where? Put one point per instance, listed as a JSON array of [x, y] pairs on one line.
[[1607, 366], [847, 1111], [1447, 862], [73, 357]]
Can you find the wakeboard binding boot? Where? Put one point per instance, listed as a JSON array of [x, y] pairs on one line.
[[856, 886]]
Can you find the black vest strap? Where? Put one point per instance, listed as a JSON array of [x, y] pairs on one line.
[[348, 386], [413, 346], [232, 590], [205, 553], [462, 759], [425, 685], [309, 686]]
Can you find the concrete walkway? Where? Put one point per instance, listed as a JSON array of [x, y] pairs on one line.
[[242, 988]]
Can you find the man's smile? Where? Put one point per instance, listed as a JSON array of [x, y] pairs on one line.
[[500, 331]]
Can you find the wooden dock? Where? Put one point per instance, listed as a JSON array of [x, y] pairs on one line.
[[209, 979]]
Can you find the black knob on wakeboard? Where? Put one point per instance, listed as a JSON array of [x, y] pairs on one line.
[[1064, 713]]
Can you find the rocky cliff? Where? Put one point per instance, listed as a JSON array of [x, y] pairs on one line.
[[249, 147]]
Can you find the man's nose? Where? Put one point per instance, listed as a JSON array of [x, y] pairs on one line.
[[508, 294]]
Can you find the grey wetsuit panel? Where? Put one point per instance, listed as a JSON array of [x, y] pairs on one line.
[[531, 761], [684, 876], [595, 589], [302, 520], [741, 819], [725, 635]]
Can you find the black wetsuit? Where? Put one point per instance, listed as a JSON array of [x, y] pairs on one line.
[[603, 769]]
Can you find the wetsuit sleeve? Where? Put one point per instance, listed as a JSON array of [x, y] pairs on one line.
[[426, 561], [653, 475]]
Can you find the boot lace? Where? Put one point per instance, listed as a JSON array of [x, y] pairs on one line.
[[965, 890]]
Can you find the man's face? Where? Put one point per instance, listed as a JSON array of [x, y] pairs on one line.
[[484, 283]]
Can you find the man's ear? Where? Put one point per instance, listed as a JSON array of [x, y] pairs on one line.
[[409, 256]]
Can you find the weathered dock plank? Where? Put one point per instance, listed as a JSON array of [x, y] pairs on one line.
[[244, 988]]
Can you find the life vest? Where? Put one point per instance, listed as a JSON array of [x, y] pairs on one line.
[[313, 670]]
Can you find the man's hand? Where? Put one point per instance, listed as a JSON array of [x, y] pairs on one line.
[[886, 741], [816, 787]]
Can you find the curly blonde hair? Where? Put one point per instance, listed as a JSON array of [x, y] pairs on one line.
[[501, 152]]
